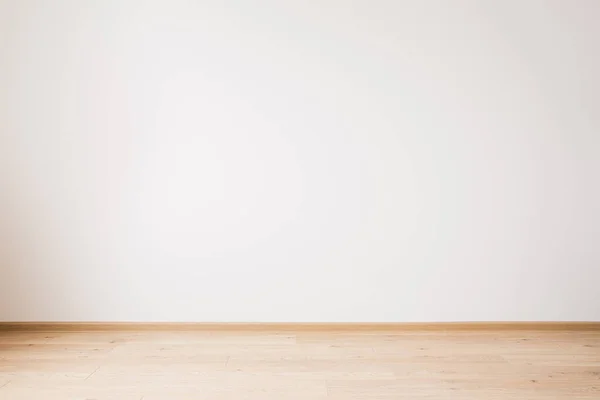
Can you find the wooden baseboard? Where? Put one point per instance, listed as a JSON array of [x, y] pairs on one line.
[[300, 326]]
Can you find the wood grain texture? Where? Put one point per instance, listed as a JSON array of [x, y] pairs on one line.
[[303, 364]]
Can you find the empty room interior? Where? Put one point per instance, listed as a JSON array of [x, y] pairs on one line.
[[271, 199]]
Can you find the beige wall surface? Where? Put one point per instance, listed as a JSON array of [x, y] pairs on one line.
[[299, 160]]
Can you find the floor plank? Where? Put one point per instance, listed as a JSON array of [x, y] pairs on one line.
[[156, 365]]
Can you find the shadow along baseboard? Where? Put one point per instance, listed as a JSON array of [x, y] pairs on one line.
[[300, 326]]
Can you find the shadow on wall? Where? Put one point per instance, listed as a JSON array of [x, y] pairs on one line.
[[12, 268], [32, 288]]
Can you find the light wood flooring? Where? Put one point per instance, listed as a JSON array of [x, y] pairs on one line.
[[173, 365]]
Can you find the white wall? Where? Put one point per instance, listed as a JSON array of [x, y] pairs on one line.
[[299, 160]]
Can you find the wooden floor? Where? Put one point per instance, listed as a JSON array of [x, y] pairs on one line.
[[299, 365]]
